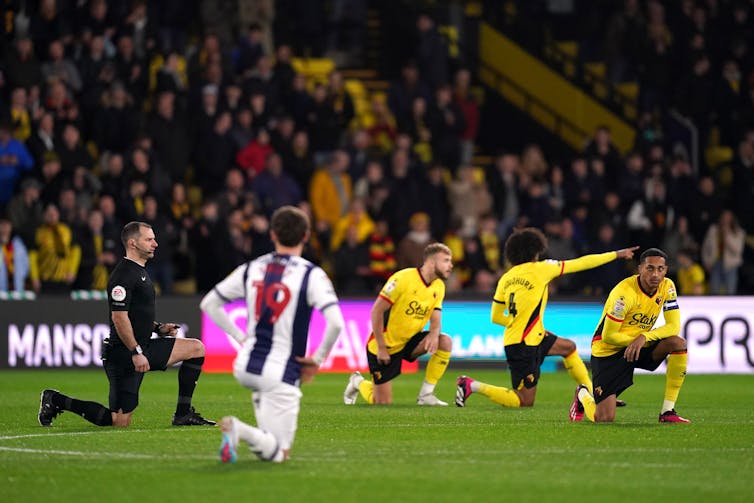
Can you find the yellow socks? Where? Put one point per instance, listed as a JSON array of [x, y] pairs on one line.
[[503, 396], [587, 401], [577, 370], [366, 389], [674, 377], [436, 366]]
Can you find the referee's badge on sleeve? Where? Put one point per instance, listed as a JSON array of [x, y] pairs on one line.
[[118, 293]]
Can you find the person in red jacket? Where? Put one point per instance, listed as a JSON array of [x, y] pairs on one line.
[[252, 158]]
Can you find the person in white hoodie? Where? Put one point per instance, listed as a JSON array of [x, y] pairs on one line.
[[722, 253]]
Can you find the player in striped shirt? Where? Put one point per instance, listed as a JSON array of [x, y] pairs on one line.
[[280, 290]]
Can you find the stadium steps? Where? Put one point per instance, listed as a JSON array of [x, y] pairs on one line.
[[543, 90], [591, 76], [564, 53]]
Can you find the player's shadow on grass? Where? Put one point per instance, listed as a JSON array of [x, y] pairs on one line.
[[242, 465], [623, 424]]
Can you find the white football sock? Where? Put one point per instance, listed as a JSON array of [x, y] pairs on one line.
[[261, 443], [667, 405], [427, 389]]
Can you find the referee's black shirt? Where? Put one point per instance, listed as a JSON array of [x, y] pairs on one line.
[[130, 289]]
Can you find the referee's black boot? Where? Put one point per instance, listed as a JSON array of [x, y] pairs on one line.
[[47, 410], [193, 418]]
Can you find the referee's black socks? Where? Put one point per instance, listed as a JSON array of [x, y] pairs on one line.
[[93, 412], [188, 374]]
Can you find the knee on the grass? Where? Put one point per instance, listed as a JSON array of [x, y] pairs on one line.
[[604, 417], [526, 397], [121, 420], [604, 412], [382, 395]]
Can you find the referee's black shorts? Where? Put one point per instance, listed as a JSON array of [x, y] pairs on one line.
[[124, 380]]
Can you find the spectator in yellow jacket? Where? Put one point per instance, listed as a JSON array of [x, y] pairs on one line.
[[330, 193], [356, 217], [57, 257]]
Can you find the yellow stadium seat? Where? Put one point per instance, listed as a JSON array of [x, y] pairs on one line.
[[715, 156], [318, 68]]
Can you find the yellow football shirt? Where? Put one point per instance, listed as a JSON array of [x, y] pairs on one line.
[[412, 303], [521, 295], [630, 312]]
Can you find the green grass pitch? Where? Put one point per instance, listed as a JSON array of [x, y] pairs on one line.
[[400, 453]]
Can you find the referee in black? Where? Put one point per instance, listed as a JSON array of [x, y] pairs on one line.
[[130, 350]]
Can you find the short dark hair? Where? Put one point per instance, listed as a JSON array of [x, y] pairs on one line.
[[524, 245], [435, 248], [131, 230], [290, 224], [652, 252]]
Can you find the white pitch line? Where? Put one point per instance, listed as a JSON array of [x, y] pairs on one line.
[[82, 453], [32, 435], [93, 454]]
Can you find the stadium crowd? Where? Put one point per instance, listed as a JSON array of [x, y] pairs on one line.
[[116, 111]]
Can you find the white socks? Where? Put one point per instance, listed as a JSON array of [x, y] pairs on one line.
[[261, 443], [667, 405], [427, 389]]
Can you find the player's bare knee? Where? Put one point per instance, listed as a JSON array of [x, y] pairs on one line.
[[197, 348], [604, 413], [568, 346], [445, 343], [677, 343]]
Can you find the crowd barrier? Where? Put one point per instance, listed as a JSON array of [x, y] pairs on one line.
[[63, 333]]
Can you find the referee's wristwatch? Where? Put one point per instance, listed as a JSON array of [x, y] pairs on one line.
[[137, 351]]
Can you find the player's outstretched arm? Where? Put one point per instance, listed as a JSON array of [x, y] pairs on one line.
[[596, 260], [626, 253]]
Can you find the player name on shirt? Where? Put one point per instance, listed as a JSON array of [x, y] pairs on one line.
[[517, 280]]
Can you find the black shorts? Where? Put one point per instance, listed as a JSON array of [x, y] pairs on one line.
[[611, 375], [124, 380], [525, 361], [384, 373]]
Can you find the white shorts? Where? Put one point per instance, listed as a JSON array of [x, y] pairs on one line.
[[276, 406]]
